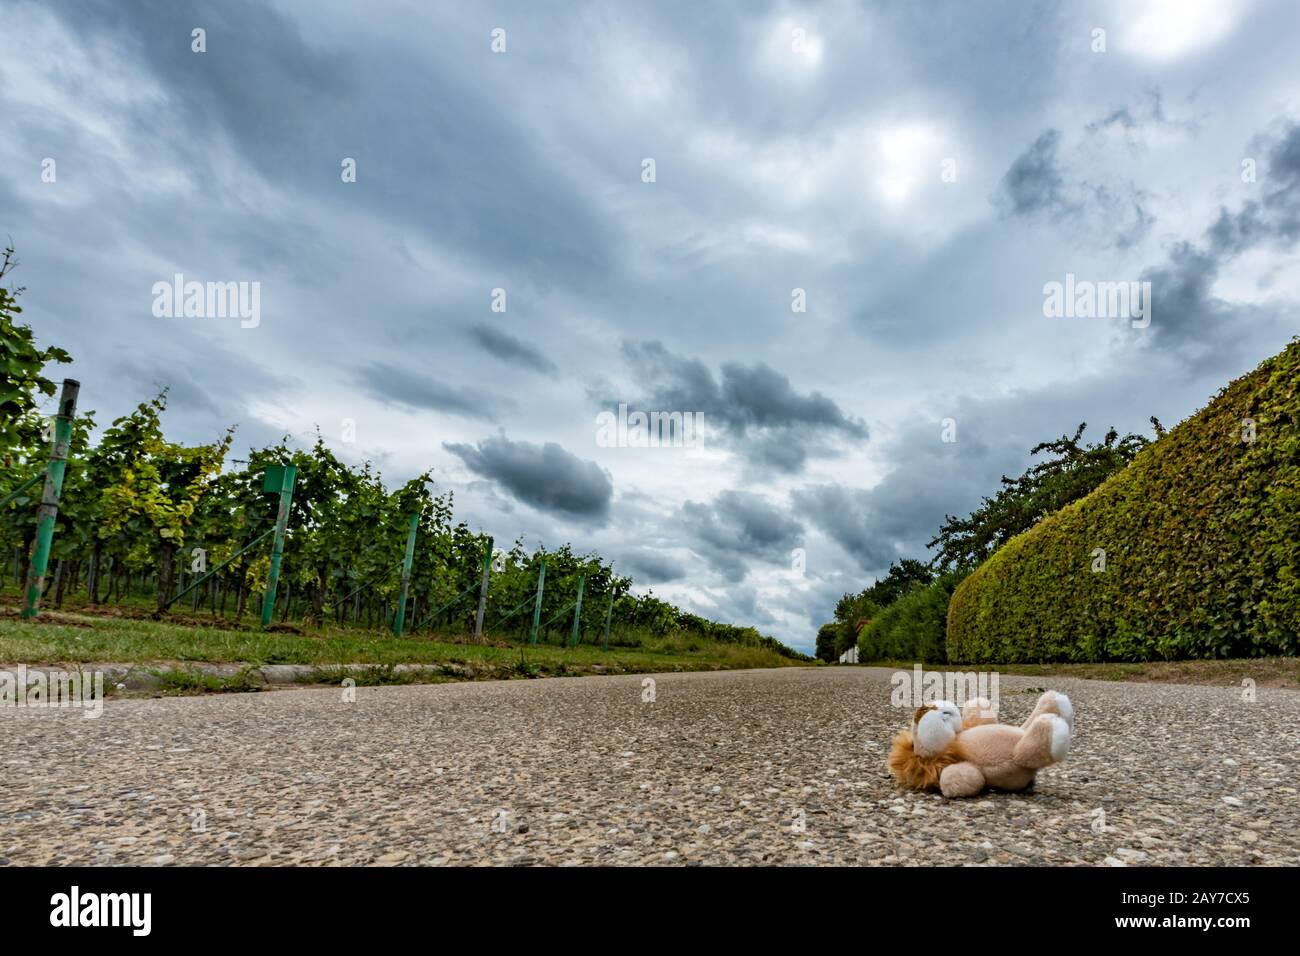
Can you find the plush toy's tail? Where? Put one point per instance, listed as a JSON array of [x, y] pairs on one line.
[[912, 771]]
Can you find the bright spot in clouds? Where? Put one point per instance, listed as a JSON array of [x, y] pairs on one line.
[[904, 151], [1164, 29], [806, 46], [792, 49]]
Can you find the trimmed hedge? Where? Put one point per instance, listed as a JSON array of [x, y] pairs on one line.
[[912, 628], [1201, 534]]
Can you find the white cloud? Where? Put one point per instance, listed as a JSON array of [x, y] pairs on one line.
[[1168, 29], [792, 49]]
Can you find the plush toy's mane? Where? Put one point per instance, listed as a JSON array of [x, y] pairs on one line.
[[916, 772]]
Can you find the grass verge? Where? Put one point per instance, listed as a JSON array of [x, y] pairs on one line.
[[72, 638]]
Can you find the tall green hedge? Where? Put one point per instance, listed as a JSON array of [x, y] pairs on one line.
[[1201, 534], [912, 628]]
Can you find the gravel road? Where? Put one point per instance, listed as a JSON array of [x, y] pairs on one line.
[[744, 767]]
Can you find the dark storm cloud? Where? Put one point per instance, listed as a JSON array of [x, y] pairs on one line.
[[815, 600], [1186, 314], [547, 477], [1037, 184], [1034, 182], [779, 451], [853, 519], [218, 385], [767, 420], [295, 108], [203, 399], [737, 527], [507, 348], [182, 391], [931, 478], [1184, 310], [416, 390], [1121, 117], [760, 397], [1135, 120], [1275, 218], [259, 79], [648, 566], [736, 604]]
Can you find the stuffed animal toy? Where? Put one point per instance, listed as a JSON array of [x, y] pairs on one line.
[[960, 752]]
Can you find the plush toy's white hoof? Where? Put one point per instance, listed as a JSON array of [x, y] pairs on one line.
[[1066, 708], [1060, 746]]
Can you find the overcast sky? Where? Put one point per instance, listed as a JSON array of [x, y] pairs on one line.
[[920, 170]]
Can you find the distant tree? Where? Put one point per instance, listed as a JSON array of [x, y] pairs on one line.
[[854, 611], [1072, 471], [903, 576], [826, 643], [914, 627]]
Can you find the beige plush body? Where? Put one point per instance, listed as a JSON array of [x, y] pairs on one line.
[[960, 754]]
